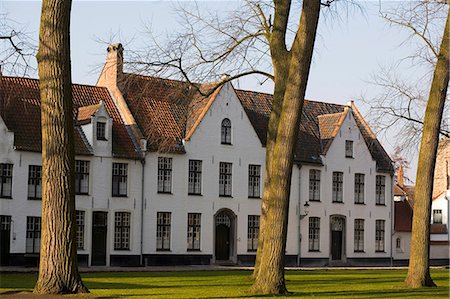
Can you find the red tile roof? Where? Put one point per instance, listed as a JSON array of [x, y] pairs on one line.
[[20, 110], [85, 113], [168, 111]]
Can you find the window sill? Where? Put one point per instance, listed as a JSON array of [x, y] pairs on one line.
[[380, 251], [380, 204], [119, 196], [314, 251], [121, 249], [163, 250], [350, 157], [195, 194], [82, 194], [251, 250], [359, 251], [164, 192], [102, 139], [314, 200], [193, 250], [255, 197], [6, 197], [229, 196], [34, 198], [360, 203], [341, 202], [225, 143]]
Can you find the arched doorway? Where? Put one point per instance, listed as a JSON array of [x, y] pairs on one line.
[[224, 222], [337, 236]]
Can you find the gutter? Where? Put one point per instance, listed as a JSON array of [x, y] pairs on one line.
[[299, 235], [392, 220], [142, 208]]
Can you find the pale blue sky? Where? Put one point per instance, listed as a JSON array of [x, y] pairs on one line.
[[348, 51]]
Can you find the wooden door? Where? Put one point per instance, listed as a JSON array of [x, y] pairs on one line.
[[5, 234], [336, 245], [222, 242], [99, 238]]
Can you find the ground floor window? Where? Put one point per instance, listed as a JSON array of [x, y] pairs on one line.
[[33, 242], [163, 231], [122, 231], [80, 229], [253, 232], [359, 235], [379, 236], [314, 233], [193, 231]]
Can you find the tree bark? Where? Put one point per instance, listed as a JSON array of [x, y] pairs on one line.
[[270, 275], [419, 271], [58, 269]]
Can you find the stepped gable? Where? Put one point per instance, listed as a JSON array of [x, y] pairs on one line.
[[20, 110]]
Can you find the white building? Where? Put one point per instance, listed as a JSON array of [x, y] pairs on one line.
[[192, 188]]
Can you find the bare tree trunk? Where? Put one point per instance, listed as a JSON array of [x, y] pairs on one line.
[[58, 269], [270, 277], [419, 271]]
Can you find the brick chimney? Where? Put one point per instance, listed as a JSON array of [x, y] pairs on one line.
[[112, 73], [400, 176]]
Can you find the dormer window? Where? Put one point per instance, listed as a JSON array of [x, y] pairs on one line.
[[348, 149], [226, 131], [101, 130]]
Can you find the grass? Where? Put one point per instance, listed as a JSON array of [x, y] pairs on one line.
[[235, 284]]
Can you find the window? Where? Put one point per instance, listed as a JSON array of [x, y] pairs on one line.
[[253, 232], [119, 179], [226, 131], [398, 243], [6, 180], [80, 229], [122, 231], [338, 186], [380, 189], [314, 185], [35, 182], [225, 179], [348, 149], [33, 234], [164, 175], [101, 130], [163, 231], [195, 177], [359, 235], [314, 233], [254, 181], [359, 188], [81, 177], [193, 231], [379, 235], [437, 216]]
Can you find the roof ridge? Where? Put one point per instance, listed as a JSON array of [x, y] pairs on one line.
[[37, 79]]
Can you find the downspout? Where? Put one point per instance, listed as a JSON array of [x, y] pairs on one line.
[[142, 208], [299, 235], [392, 220]]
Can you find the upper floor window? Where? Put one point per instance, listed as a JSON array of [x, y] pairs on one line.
[[254, 181], [359, 188], [380, 189], [314, 185], [348, 149], [193, 231], [81, 177], [437, 216], [33, 240], [225, 179], [101, 130], [119, 179], [252, 232], [35, 182], [226, 131], [195, 177], [338, 186], [80, 229], [6, 180], [122, 231], [164, 175]]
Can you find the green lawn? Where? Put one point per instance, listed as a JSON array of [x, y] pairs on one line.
[[235, 284]]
